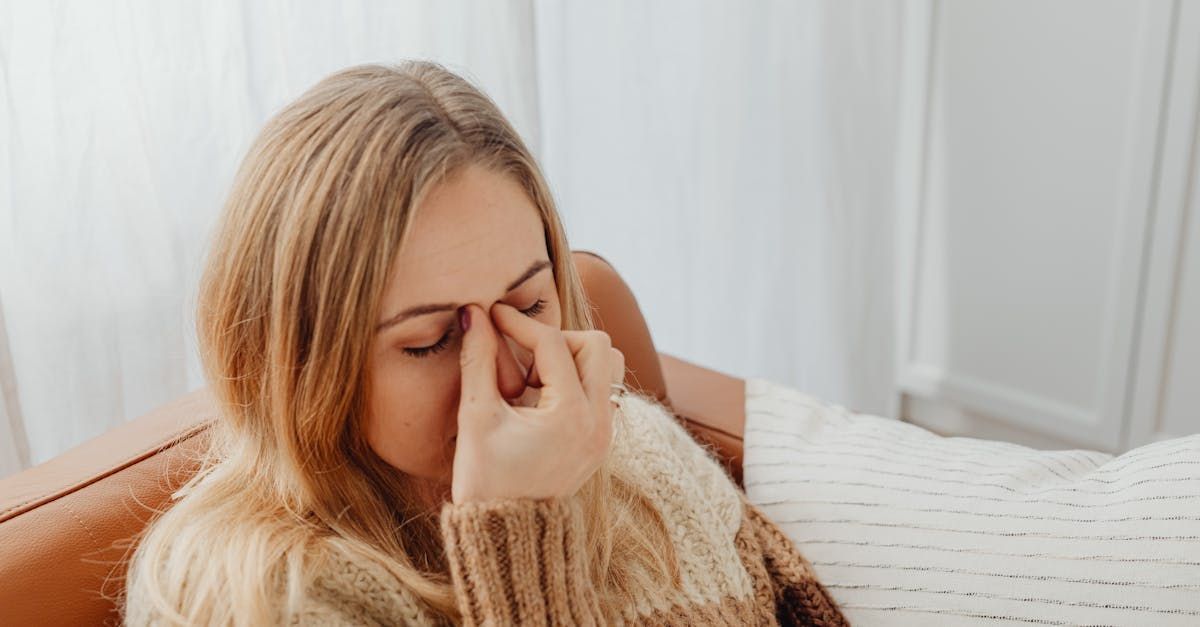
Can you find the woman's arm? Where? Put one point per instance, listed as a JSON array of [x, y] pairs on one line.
[[520, 561], [711, 405]]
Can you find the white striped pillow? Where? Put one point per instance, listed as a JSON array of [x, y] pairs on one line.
[[906, 527]]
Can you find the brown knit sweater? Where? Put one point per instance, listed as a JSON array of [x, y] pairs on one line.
[[521, 561]]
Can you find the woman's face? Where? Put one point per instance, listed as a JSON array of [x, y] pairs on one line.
[[476, 238]]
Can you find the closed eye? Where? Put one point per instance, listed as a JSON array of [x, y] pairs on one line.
[[437, 347]]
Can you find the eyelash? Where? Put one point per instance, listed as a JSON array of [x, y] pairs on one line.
[[441, 344]]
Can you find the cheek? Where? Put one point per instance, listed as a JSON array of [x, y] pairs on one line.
[[411, 416], [554, 313]]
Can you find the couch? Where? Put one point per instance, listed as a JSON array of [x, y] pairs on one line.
[[66, 525]]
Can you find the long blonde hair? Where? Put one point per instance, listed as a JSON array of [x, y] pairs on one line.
[[319, 208]]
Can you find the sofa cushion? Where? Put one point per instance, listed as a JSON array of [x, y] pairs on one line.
[[907, 527]]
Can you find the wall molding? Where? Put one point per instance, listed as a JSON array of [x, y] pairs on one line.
[[1173, 211], [1103, 422]]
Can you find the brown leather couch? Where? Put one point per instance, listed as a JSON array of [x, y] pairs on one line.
[[66, 525]]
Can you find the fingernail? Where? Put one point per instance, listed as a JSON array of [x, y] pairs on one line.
[[464, 317]]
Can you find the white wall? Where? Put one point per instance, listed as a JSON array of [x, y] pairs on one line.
[[1036, 171], [733, 161], [977, 215], [735, 166]]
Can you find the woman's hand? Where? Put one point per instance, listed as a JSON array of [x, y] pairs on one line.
[[532, 452]]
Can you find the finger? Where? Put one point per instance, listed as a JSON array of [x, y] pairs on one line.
[[618, 370], [532, 380], [556, 365], [575, 343], [598, 363], [593, 358], [477, 360]]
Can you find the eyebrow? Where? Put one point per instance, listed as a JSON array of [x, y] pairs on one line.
[[421, 310]]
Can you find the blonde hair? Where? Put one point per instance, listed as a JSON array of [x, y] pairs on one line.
[[318, 210]]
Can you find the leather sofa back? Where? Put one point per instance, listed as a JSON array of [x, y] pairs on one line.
[[66, 525]]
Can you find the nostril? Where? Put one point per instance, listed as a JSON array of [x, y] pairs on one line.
[[531, 378]]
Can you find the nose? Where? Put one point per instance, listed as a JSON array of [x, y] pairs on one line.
[[512, 366]]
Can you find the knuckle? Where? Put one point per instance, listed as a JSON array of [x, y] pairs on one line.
[[548, 334], [600, 337], [560, 340]]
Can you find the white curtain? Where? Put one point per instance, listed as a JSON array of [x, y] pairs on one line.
[[733, 160]]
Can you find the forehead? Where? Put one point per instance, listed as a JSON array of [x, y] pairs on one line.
[[473, 233]]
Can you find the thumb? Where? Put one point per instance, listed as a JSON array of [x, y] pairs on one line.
[[477, 359]]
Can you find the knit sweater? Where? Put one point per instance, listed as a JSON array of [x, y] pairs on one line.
[[521, 561]]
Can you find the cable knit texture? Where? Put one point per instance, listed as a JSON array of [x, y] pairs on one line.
[[522, 561]]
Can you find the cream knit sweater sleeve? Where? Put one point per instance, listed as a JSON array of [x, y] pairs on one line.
[[523, 561], [512, 561], [520, 561]]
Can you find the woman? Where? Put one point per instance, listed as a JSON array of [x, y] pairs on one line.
[[361, 473]]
